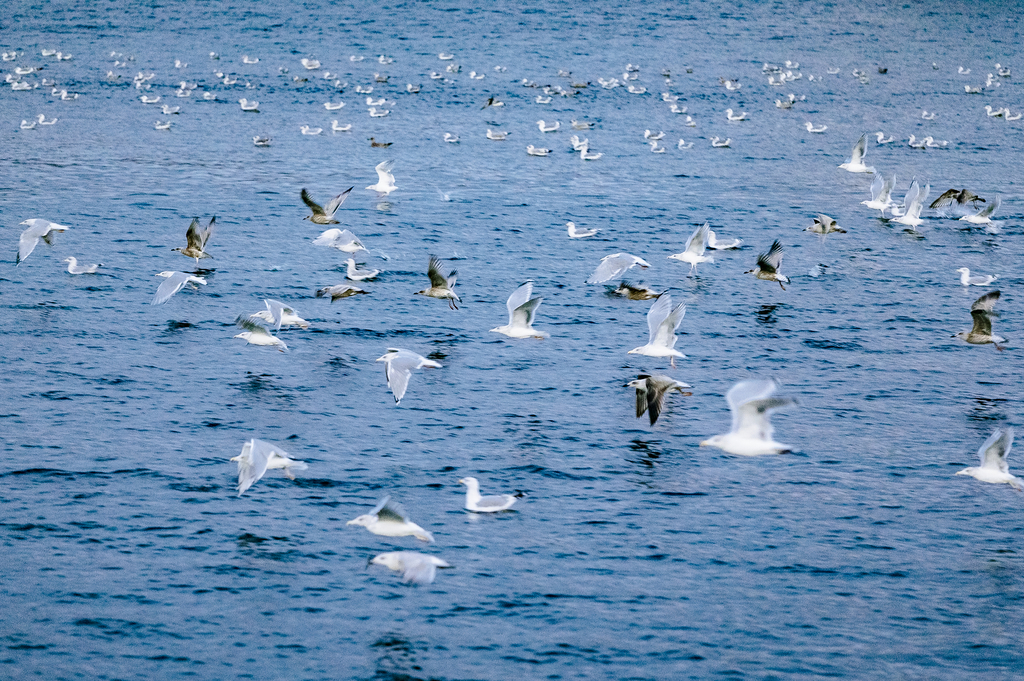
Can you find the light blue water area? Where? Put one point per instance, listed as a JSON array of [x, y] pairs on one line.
[[635, 553]]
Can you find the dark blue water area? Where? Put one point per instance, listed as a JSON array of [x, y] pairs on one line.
[[635, 553]]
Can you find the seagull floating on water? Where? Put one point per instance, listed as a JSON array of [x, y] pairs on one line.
[[488, 504], [575, 233], [387, 519], [257, 457], [613, 266], [306, 130], [37, 229], [651, 392], [978, 280], [359, 275], [522, 309], [993, 454], [496, 135], [534, 151], [735, 117], [75, 268], [810, 127], [751, 403], [416, 568], [441, 285], [716, 245], [336, 127], [718, 143], [662, 322]]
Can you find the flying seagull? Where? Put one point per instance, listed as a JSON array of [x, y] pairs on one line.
[[197, 239], [385, 180], [342, 239], [387, 519], [521, 311], [993, 455], [956, 199], [632, 292], [768, 265], [416, 568], [855, 164], [174, 283], [37, 229], [339, 291], [662, 322], [651, 392], [823, 224], [982, 313], [614, 265], [751, 403], [324, 215], [257, 334], [693, 253], [441, 286], [398, 367], [257, 457]]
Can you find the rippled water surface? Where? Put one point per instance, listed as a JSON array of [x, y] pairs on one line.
[[635, 554]]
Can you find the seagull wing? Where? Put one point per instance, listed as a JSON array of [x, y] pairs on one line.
[[859, 149], [770, 261], [887, 189], [666, 335], [28, 242], [334, 204], [658, 313], [947, 198], [877, 185], [169, 287], [911, 196], [523, 315], [989, 209], [982, 322], [611, 267], [204, 235], [518, 298], [986, 302], [698, 241], [641, 396], [398, 369], [995, 450], [276, 310], [437, 280], [418, 570], [746, 391], [252, 324], [252, 464], [655, 398], [313, 205], [392, 512], [384, 172], [193, 235]]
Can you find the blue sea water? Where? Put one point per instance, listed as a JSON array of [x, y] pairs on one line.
[[635, 554]]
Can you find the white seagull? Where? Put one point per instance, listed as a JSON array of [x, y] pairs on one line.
[[913, 205], [693, 253], [356, 274], [978, 280], [662, 322], [751, 403], [416, 568], [488, 504], [75, 268], [993, 455], [575, 233], [174, 283], [257, 457], [279, 314], [37, 229], [257, 334], [398, 367], [521, 311], [716, 245], [385, 180], [982, 217], [387, 519], [548, 128], [342, 239], [614, 265], [881, 190], [855, 164]]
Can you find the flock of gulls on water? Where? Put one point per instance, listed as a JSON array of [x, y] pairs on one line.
[[751, 402]]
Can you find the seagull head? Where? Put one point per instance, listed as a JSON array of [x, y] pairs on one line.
[[364, 520], [712, 441]]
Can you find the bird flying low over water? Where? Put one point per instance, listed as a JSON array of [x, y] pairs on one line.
[[441, 286], [627, 290], [398, 367], [957, 199], [416, 568], [280, 315], [881, 190], [823, 224], [342, 239], [982, 311], [37, 229], [651, 392], [768, 265], [257, 457], [257, 334], [614, 265], [662, 322], [521, 311], [175, 281], [388, 519], [340, 291], [693, 252], [751, 403], [324, 215], [385, 180], [196, 239], [855, 164], [993, 455]]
